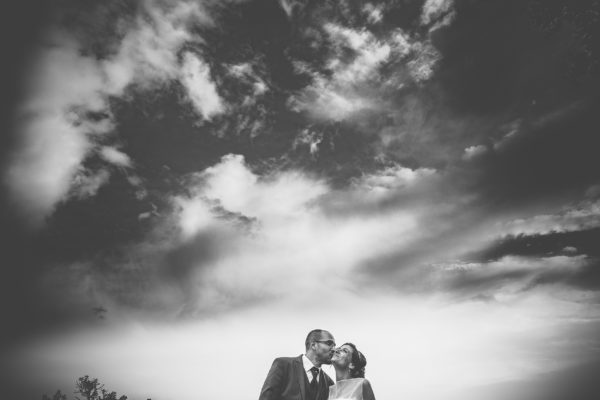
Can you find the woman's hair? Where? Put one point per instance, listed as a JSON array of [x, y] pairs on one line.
[[359, 361]]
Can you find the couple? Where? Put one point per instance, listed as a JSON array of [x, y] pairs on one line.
[[301, 378]]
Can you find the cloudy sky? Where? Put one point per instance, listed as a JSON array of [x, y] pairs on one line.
[[189, 187]]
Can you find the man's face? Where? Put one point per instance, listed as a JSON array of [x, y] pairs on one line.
[[324, 348]]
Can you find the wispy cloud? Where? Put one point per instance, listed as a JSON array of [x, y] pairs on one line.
[[67, 107], [437, 13], [356, 81], [115, 157], [574, 217], [200, 88], [509, 276], [340, 95]]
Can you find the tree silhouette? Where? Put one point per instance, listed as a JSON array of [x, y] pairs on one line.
[[91, 389], [88, 389], [57, 396]]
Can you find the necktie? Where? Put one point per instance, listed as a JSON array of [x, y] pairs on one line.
[[314, 385]]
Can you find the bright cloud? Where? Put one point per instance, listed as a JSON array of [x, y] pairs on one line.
[[40, 174], [115, 157], [422, 66], [200, 88], [340, 96], [292, 235], [355, 83], [374, 13], [370, 53], [393, 178]]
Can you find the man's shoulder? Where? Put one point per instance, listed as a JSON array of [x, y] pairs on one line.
[[287, 360], [285, 363]]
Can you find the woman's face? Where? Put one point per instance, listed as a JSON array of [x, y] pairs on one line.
[[342, 357]]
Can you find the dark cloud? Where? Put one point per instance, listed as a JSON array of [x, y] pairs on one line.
[[21, 23], [549, 245], [506, 55], [550, 159], [99, 27], [511, 62], [580, 242]]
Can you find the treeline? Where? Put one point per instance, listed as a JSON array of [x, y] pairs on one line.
[[87, 389]]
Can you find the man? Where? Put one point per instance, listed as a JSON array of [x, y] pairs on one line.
[[301, 378]]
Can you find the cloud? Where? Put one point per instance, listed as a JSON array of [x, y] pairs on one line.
[[251, 82], [369, 54], [472, 152], [115, 157], [363, 68], [236, 239], [292, 237], [339, 96], [290, 6], [200, 88], [86, 183], [509, 276], [241, 249], [374, 13], [574, 217], [252, 245], [148, 52], [67, 109], [52, 143], [507, 139], [421, 67], [437, 12], [454, 346], [392, 178]]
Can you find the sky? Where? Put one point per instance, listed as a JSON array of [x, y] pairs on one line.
[[189, 187]]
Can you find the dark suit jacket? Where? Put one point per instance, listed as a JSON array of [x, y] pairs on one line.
[[287, 380]]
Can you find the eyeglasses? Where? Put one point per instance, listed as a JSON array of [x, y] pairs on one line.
[[329, 343]]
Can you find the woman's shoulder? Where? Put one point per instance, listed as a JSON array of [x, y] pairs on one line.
[[367, 390]]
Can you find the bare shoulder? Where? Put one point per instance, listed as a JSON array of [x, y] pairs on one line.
[[367, 390]]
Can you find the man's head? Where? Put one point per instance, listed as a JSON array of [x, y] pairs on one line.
[[320, 345]]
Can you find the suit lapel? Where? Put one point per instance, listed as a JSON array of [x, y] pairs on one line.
[[300, 376]]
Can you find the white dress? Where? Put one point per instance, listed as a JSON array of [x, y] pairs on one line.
[[351, 389]]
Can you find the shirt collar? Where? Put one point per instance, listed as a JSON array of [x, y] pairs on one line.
[[307, 363]]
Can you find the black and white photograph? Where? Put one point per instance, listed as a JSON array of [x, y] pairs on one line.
[[300, 200]]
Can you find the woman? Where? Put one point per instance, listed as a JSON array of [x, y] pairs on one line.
[[349, 364]]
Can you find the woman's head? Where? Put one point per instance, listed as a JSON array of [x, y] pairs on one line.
[[347, 356]]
